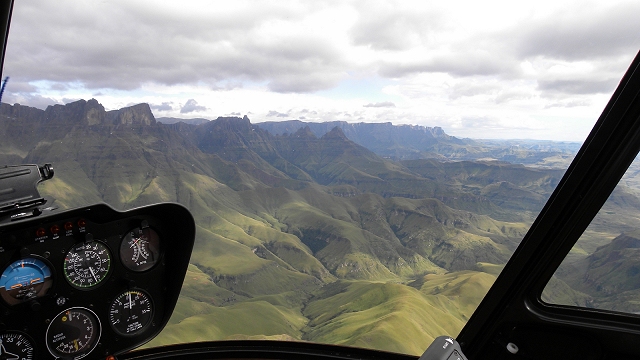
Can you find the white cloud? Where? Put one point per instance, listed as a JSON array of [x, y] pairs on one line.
[[498, 63], [192, 106], [383, 104]]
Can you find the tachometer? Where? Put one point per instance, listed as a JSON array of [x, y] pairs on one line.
[[140, 249], [87, 265], [15, 345], [73, 334], [24, 280], [131, 312]]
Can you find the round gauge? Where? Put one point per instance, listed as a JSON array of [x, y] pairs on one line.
[[24, 280], [131, 312], [140, 249], [15, 345], [87, 264], [73, 334]]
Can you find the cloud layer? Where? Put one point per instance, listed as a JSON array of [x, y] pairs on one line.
[[463, 59]]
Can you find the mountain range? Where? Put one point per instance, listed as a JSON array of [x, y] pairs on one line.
[[410, 142], [302, 233]]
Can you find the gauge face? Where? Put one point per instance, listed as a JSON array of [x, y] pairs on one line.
[[87, 265], [73, 334], [140, 249], [24, 280], [131, 312], [15, 345]]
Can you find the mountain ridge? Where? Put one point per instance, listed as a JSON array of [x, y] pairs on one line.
[[290, 227]]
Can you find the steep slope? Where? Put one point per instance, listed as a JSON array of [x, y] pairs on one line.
[[289, 227], [385, 139], [611, 275], [405, 142]]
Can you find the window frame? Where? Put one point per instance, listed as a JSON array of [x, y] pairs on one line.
[[515, 297]]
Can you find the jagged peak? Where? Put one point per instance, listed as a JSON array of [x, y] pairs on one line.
[[81, 111], [305, 133], [233, 122], [335, 133]]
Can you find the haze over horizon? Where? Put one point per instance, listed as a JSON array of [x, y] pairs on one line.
[[490, 70]]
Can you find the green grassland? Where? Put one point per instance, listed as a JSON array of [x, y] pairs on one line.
[[602, 271], [300, 237]]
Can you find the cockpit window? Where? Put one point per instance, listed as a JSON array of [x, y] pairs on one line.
[[359, 172], [603, 268]]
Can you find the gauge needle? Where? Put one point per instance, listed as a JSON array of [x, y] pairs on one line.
[[7, 355], [130, 302], [92, 273], [135, 242]]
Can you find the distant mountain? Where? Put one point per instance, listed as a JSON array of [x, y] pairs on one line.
[[407, 142], [611, 275], [293, 227], [385, 139], [192, 121]]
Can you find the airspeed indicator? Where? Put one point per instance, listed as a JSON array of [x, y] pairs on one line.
[[87, 265]]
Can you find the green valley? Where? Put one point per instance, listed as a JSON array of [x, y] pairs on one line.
[[299, 236]]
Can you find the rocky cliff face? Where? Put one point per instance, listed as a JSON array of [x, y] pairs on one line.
[[133, 115], [386, 139], [81, 112]]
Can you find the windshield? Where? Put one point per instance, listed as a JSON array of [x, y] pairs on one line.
[[359, 172]]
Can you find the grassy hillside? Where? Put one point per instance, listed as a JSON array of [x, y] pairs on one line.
[[298, 236]]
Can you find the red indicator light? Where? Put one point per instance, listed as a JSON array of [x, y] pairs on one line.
[[68, 225], [82, 223], [41, 232], [55, 229]]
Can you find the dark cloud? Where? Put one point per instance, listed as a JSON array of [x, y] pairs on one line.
[[384, 104], [467, 89], [506, 96], [122, 46], [273, 113], [580, 35], [59, 87], [227, 86], [459, 64], [569, 104], [606, 40], [19, 87], [102, 45], [384, 27], [307, 84], [191, 106], [574, 86], [70, 100], [33, 100], [165, 106]]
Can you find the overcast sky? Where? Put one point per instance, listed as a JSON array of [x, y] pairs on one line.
[[479, 69]]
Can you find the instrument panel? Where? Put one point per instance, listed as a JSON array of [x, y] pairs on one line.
[[90, 282]]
